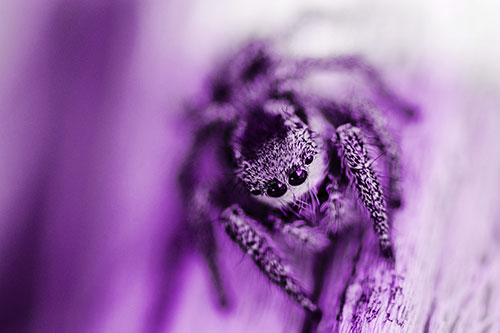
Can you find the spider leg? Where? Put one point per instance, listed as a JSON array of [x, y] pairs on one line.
[[202, 230], [373, 78], [357, 164], [300, 234], [373, 122], [333, 209], [198, 186], [369, 118], [239, 228]]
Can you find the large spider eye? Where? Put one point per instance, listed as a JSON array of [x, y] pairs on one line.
[[276, 189], [256, 192], [309, 159], [297, 177]]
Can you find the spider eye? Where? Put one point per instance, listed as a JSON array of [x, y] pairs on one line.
[[309, 159], [256, 192], [297, 177], [276, 189]]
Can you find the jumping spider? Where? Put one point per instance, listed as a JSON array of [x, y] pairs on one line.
[[270, 160]]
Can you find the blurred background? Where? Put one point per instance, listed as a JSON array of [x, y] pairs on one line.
[[91, 96]]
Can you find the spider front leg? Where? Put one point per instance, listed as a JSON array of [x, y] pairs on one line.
[[373, 121], [239, 228], [374, 125], [357, 165]]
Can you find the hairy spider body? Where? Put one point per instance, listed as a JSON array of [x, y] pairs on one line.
[[270, 160]]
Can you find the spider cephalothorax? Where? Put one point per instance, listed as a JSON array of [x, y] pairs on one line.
[[275, 152], [301, 163]]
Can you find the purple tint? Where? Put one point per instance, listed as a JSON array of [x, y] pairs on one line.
[[297, 177], [309, 159], [93, 137], [276, 189]]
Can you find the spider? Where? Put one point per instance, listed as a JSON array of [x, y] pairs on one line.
[[271, 159]]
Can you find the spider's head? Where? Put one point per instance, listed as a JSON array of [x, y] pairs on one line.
[[278, 157]]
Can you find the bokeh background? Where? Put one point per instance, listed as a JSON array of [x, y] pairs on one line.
[[91, 140]]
